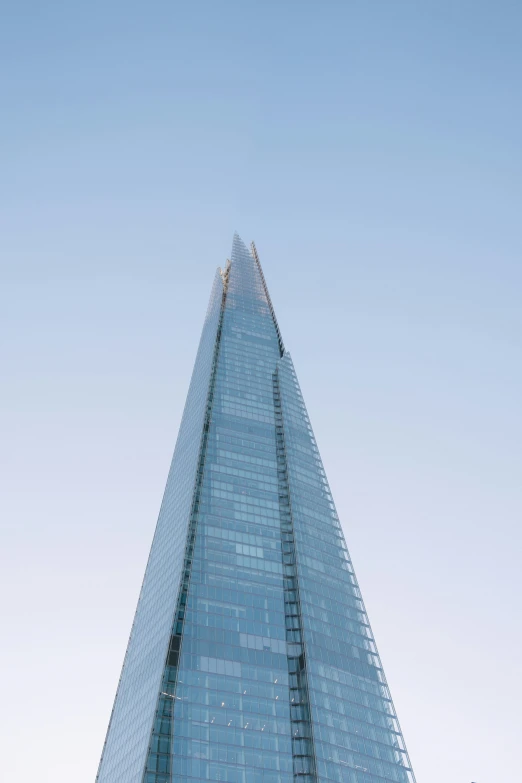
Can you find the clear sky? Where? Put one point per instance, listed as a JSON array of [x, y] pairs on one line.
[[373, 151]]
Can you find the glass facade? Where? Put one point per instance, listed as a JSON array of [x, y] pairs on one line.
[[251, 659]]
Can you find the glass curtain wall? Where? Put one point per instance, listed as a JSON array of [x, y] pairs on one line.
[[263, 668]]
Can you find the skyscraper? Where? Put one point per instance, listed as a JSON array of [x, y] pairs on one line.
[[250, 659]]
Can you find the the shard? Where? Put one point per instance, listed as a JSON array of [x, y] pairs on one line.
[[251, 658]]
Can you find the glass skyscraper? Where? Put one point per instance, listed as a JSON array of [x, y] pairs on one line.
[[251, 658]]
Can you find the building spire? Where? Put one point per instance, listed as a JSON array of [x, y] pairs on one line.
[[255, 256]]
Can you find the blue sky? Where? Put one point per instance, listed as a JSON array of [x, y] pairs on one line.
[[373, 152]]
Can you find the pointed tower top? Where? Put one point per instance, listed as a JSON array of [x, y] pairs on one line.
[[255, 256], [243, 255], [238, 246]]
